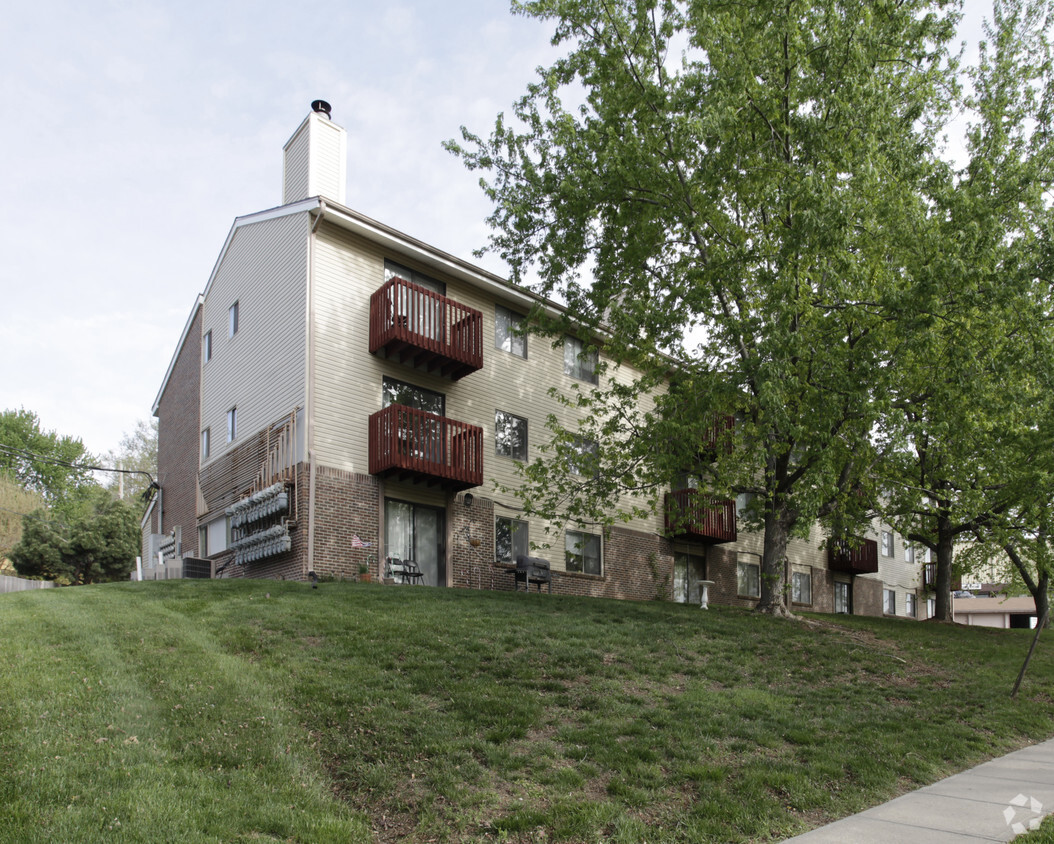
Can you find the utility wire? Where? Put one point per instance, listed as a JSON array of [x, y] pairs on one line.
[[29, 455]]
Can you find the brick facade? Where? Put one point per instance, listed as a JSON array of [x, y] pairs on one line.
[[178, 442]]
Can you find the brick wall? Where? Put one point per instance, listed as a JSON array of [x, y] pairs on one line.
[[178, 440], [347, 504]]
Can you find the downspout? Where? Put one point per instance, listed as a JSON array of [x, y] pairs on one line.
[[309, 389]]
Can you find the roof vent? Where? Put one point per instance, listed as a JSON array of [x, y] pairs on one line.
[[322, 107]]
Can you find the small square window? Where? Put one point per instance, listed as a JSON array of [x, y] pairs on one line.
[[232, 320], [582, 552], [748, 579], [510, 539], [206, 443], [206, 346], [232, 424], [508, 334], [579, 362], [510, 435], [801, 587]]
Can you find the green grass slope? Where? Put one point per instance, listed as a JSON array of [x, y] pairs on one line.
[[252, 711]]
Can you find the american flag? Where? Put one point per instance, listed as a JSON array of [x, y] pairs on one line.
[[358, 543]]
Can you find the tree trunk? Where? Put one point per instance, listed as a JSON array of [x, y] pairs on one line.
[[943, 584], [774, 564]]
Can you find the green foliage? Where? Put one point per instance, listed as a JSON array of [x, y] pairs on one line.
[[137, 455], [247, 710], [969, 404], [723, 205], [15, 503], [40, 461], [97, 540]]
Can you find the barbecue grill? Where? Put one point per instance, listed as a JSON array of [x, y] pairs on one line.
[[532, 569]]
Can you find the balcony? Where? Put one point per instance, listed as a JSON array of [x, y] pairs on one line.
[[420, 328], [719, 436], [415, 445], [691, 516], [852, 556]]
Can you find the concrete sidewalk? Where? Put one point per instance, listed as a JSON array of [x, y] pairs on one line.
[[992, 802]]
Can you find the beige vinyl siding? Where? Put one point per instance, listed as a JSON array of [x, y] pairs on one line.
[[261, 369], [295, 177], [895, 572], [347, 381]]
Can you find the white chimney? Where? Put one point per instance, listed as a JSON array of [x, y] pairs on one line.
[[316, 158]]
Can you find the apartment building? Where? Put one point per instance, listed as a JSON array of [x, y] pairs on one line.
[[343, 393]]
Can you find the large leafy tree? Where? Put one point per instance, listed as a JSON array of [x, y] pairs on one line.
[[41, 461], [721, 203], [973, 368], [93, 541]]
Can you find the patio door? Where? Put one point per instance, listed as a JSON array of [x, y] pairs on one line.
[[688, 570], [415, 532]]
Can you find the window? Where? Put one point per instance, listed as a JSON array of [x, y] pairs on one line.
[[394, 270], [507, 332], [232, 424], [931, 607], [909, 605], [909, 552], [583, 458], [843, 597], [206, 346], [801, 587], [582, 552], [887, 543], [510, 539], [399, 392], [216, 535], [510, 435], [579, 362], [232, 320], [748, 579], [889, 602], [206, 442]]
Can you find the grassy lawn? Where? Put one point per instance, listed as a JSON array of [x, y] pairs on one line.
[[251, 711]]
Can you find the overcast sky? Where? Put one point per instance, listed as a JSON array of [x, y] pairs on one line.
[[135, 132]]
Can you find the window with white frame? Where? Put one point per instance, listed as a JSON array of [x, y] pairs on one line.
[[931, 607], [206, 442], [232, 320], [909, 552], [801, 587], [910, 607], [579, 362], [582, 552], [510, 435], [508, 332], [748, 578], [510, 539], [232, 424], [206, 346], [887, 543], [889, 601]]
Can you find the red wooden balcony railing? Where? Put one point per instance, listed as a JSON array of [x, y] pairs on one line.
[[719, 436], [416, 445], [852, 556], [699, 517], [420, 328]]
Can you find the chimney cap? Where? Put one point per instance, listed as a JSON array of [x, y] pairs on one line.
[[321, 107]]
